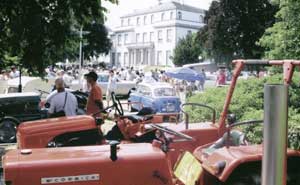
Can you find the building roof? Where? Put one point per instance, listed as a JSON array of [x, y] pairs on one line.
[[164, 7]]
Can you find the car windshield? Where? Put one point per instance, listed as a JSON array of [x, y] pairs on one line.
[[102, 78], [164, 92]]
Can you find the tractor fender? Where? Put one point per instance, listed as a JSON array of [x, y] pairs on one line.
[[234, 157]]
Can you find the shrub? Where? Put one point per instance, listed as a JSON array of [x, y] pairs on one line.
[[247, 104]]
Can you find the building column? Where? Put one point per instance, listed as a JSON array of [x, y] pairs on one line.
[[135, 57], [142, 57], [149, 57], [129, 57]]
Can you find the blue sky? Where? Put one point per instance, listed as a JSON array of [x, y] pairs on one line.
[[127, 6]]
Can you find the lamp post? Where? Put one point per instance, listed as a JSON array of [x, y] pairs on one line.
[[80, 50]]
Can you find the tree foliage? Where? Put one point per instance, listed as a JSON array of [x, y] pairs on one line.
[[233, 28], [40, 33], [187, 51], [282, 40]]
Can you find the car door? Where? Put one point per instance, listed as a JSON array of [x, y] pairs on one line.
[[135, 96], [147, 98], [102, 81]]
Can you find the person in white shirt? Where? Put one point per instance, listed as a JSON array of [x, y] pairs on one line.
[[14, 73], [62, 100], [130, 75], [111, 86]]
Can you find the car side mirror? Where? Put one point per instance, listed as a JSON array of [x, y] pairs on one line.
[[231, 118], [47, 105]]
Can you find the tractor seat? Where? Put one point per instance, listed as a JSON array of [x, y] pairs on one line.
[[145, 114], [236, 139]]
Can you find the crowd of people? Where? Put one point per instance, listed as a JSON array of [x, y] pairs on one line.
[[65, 102], [9, 74]]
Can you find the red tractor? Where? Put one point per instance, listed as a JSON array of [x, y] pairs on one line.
[[206, 153], [132, 128]]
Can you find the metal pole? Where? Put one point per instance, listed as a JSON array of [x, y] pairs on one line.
[[80, 49], [20, 79], [80, 57], [274, 167]]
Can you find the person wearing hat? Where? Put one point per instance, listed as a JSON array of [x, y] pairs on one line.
[[94, 102]]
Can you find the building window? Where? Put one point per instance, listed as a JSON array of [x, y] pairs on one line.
[[168, 57], [171, 15], [138, 21], [169, 35], [126, 59], [137, 37], [179, 15], [159, 36], [118, 58], [159, 57], [145, 20], [129, 22], [162, 16], [201, 18], [189, 32], [144, 37], [151, 36], [152, 18], [113, 40], [119, 39], [126, 38]]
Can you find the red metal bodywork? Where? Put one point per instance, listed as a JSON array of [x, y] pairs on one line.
[[234, 156], [130, 168], [36, 134]]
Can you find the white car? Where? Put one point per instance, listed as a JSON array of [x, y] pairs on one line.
[[124, 87]]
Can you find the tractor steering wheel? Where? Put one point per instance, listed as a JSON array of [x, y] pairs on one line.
[[166, 141], [117, 104]]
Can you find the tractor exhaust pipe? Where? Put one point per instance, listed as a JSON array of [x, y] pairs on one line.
[[274, 163]]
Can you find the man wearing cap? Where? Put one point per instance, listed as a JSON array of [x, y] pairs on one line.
[[94, 102]]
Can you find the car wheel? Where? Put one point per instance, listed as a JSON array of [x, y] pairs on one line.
[[8, 130]]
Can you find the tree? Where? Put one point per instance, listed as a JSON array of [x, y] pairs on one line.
[[282, 40], [187, 50], [233, 28], [40, 33]]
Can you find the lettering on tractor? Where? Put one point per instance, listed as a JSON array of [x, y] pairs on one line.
[[67, 179]]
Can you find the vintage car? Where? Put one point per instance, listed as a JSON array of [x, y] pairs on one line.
[[213, 162], [161, 97], [124, 87], [29, 84], [16, 108]]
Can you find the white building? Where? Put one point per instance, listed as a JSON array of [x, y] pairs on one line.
[[149, 36]]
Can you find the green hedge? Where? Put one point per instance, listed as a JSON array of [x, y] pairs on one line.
[[247, 104]]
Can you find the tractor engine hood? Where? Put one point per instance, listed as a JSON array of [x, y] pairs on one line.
[[36, 134], [92, 165]]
